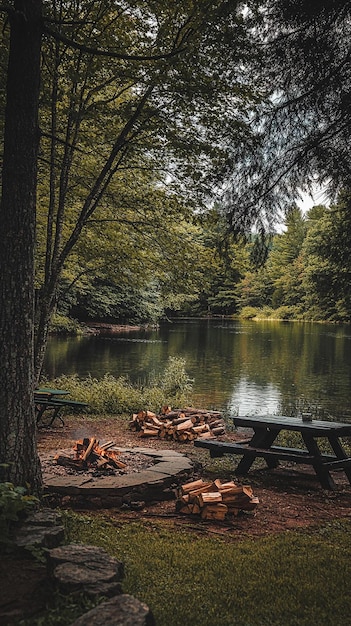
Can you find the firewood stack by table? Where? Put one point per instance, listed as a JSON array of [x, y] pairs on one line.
[[215, 500], [178, 424]]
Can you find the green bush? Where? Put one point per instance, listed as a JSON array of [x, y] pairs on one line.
[[118, 395], [60, 324], [248, 313], [175, 382], [15, 503], [265, 313], [286, 313]]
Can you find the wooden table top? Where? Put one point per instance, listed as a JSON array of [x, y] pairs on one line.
[[52, 392], [281, 422]]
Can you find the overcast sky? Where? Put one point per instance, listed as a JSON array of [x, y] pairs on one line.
[[307, 201]]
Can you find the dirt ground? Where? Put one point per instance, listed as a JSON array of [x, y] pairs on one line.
[[290, 497]]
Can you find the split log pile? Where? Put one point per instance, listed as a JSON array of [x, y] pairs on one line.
[[214, 500], [88, 452], [181, 425]]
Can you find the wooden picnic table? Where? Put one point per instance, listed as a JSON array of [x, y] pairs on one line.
[[266, 429], [50, 402]]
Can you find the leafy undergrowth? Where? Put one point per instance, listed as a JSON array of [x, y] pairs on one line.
[[295, 578]]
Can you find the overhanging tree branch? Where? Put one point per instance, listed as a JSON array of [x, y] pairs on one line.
[[110, 53]]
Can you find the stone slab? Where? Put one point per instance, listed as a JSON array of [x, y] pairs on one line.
[[39, 536], [155, 453], [123, 610], [172, 467], [90, 569]]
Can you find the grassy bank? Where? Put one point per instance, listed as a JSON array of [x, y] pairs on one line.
[[186, 577]]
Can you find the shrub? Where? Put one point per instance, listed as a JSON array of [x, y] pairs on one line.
[[285, 313], [248, 313], [175, 382], [15, 503], [60, 324], [118, 395], [265, 313]]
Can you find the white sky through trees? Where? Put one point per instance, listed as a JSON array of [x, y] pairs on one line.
[[318, 196]]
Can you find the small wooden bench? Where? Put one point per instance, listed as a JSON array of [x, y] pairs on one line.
[[56, 405]]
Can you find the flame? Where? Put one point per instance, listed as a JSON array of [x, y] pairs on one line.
[[88, 452]]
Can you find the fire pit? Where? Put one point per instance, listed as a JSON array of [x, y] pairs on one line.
[[104, 475], [92, 459]]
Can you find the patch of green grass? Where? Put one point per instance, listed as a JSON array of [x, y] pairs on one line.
[[188, 578], [222, 467]]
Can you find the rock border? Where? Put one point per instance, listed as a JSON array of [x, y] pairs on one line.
[[122, 610], [155, 483], [74, 568]]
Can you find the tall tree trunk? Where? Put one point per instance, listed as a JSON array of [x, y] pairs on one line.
[[18, 451], [44, 309]]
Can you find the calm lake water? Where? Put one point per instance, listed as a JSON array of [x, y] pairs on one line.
[[238, 367]]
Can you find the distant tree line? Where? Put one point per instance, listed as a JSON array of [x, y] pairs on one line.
[[306, 276]]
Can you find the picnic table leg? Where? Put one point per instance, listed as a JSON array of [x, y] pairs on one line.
[[262, 438], [56, 414], [322, 472], [340, 453], [39, 411]]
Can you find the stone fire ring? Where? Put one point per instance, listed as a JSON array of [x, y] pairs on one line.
[[155, 483]]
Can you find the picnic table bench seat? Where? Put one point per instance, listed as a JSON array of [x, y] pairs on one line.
[[219, 448]]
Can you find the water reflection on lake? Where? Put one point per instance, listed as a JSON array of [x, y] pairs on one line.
[[245, 367]]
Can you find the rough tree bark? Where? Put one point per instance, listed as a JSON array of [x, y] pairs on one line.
[[18, 452]]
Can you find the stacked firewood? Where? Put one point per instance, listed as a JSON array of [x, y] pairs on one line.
[[214, 500], [179, 424]]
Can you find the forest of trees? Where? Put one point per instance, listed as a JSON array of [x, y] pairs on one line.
[[149, 151], [306, 276]]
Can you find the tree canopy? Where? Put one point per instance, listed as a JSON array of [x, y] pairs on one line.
[[304, 123], [132, 93]]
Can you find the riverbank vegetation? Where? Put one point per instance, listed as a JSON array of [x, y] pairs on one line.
[[115, 396]]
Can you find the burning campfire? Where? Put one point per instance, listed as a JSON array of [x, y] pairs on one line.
[[88, 453]]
